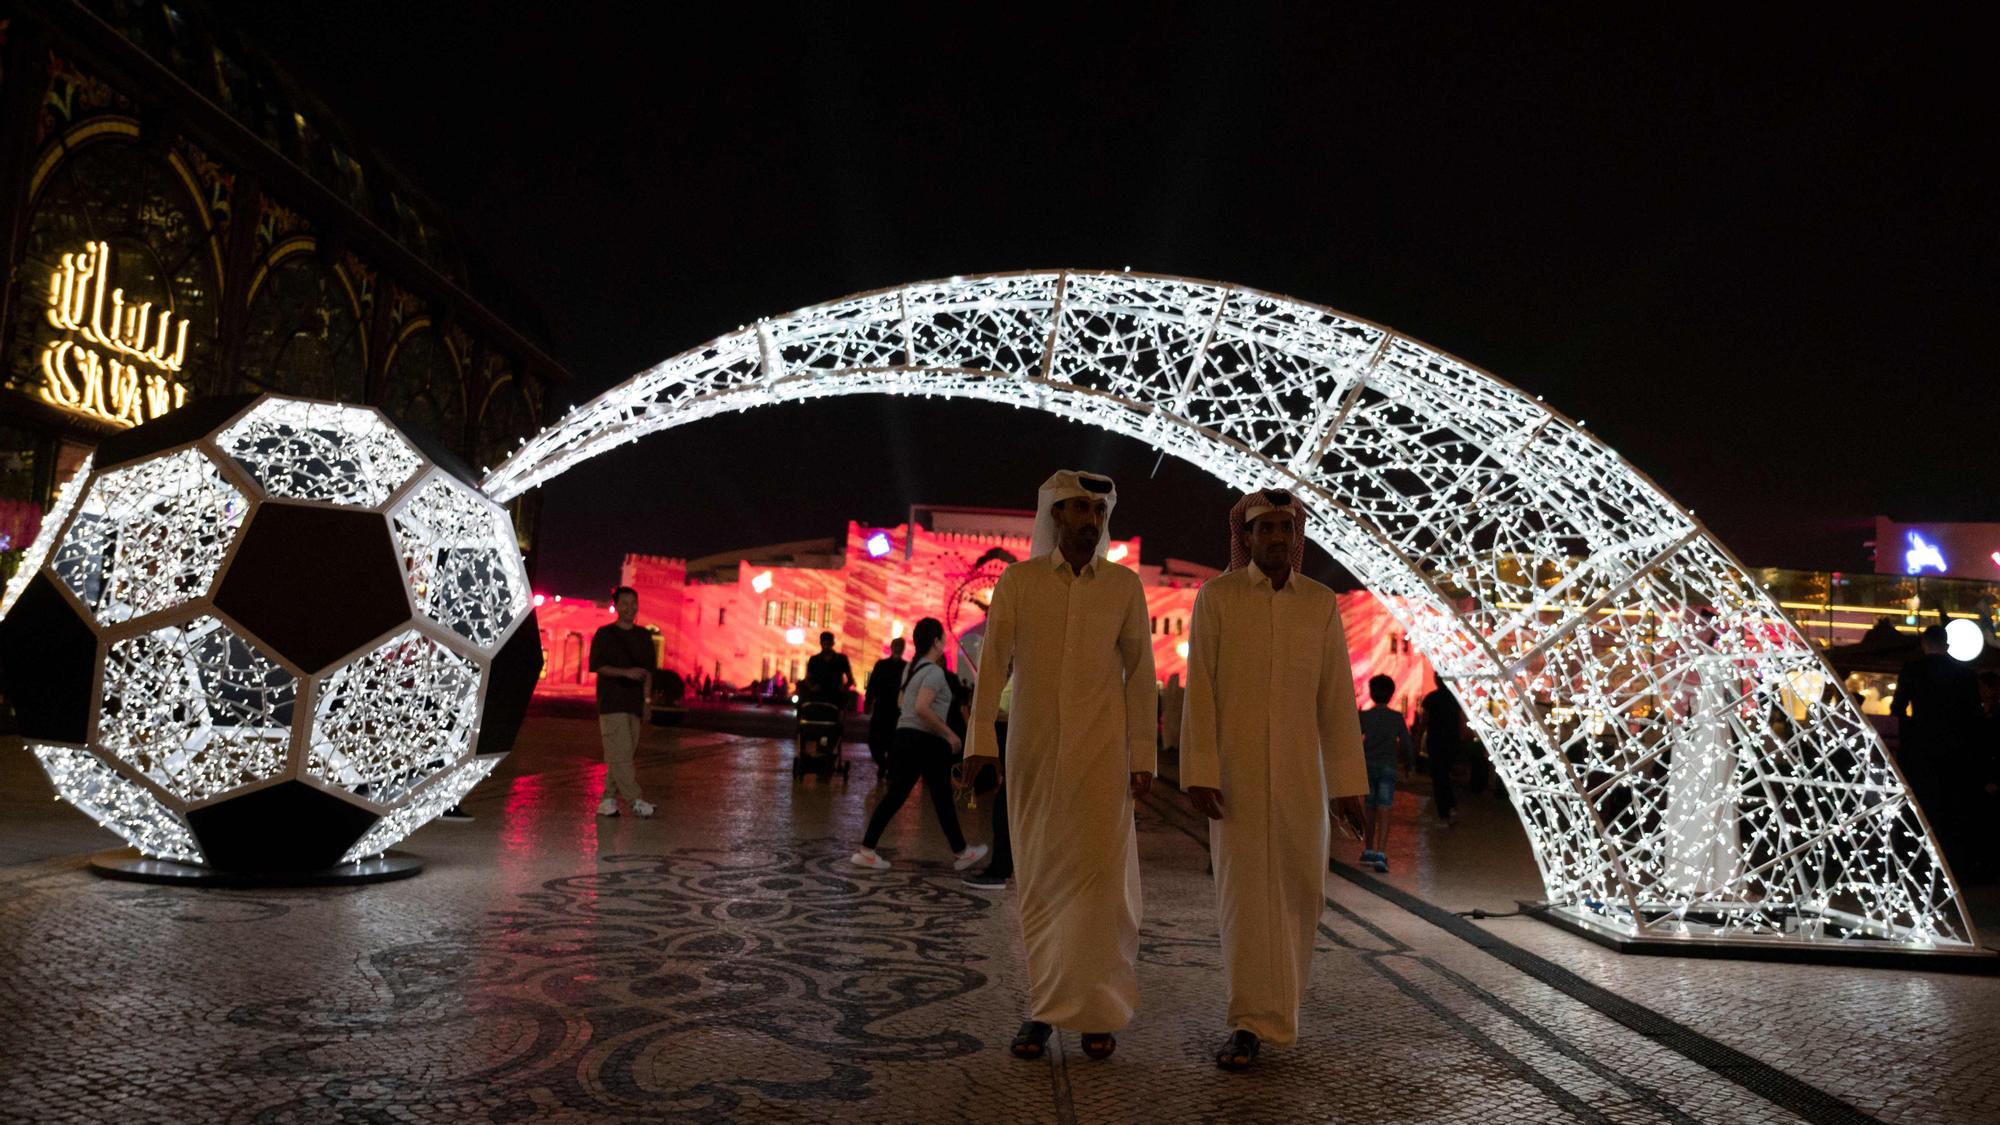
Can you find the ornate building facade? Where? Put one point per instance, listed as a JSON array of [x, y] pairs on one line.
[[747, 616], [181, 220]]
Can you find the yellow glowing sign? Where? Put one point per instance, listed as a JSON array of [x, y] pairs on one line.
[[117, 360]]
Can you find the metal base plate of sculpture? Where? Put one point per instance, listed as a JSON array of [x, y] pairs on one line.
[[128, 865]]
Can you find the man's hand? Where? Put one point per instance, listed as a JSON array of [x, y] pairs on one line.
[[1142, 784], [969, 771], [1206, 801]]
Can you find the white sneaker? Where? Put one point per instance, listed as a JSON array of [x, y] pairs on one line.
[[969, 856], [642, 808], [865, 857], [607, 807]]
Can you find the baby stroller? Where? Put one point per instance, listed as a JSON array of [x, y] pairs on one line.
[[820, 728]]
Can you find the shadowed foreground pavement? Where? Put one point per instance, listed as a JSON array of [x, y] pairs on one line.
[[722, 962]]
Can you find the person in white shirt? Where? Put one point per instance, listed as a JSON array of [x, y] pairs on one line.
[[1271, 733], [1082, 737]]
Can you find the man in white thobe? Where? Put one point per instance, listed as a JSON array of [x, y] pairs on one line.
[[1081, 744], [1271, 734]]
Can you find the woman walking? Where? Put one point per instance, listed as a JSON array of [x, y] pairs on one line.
[[924, 749]]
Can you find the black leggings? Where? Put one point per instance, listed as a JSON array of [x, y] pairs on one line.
[[918, 755]]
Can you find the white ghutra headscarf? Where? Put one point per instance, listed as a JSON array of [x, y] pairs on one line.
[[1067, 483], [1257, 503]]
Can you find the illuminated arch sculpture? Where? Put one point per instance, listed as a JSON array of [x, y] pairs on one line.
[[1683, 765]]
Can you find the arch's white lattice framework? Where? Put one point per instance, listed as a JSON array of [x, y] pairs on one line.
[[1683, 763]]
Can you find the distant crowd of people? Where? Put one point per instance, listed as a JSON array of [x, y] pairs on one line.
[[828, 677]]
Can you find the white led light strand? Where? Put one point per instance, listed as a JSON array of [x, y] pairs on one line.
[[117, 803], [460, 555], [321, 451], [195, 708], [1638, 692], [52, 526], [149, 536], [424, 807], [388, 722]]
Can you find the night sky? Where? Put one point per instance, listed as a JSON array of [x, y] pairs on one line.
[[1759, 261]]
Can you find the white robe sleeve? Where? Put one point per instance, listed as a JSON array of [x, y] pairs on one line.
[[1201, 759], [996, 656], [1142, 692], [1339, 720]]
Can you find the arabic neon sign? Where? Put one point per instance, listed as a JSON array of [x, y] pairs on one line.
[[116, 360]]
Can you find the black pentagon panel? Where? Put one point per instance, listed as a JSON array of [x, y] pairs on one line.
[[289, 826], [510, 683], [314, 583], [434, 448], [197, 419], [48, 656]]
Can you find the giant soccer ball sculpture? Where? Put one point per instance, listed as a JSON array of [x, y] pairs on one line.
[[270, 636]]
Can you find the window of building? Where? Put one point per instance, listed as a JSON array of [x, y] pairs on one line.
[[770, 613], [426, 385], [722, 615], [304, 331]]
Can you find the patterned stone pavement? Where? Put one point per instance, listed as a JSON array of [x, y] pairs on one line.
[[722, 962]]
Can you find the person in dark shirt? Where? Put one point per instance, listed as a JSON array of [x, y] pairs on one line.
[[829, 677], [1444, 744], [1937, 720], [621, 654], [1984, 786], [1385, 740], [885, 680]]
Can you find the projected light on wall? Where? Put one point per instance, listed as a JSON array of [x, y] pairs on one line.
[[314, 638], [1922, 555], [879, 545]]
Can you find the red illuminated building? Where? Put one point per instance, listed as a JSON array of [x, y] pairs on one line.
[[743, 616]]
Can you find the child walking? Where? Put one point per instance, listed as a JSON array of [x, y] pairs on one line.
[[1385, 739]]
